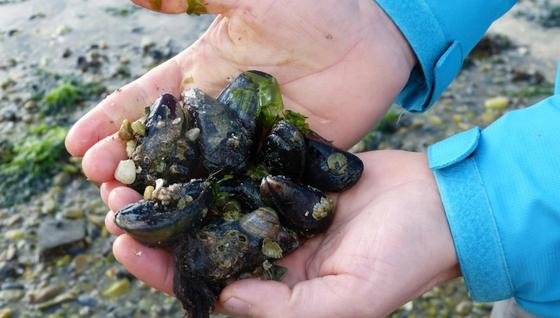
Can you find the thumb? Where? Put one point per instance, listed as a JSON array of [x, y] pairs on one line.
[[327, 296]]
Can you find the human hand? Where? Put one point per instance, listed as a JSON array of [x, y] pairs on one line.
[[389, 243]]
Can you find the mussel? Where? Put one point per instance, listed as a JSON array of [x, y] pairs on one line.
[[245, 191], [330, 169], [224, 142], [165, 151], [302, 208], [162, 220], [242, 96], [218, 253], [283, 151]]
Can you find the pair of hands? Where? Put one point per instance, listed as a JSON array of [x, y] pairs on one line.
[[341, 64]]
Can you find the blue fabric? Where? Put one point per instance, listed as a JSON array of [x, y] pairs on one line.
[[441, 34], [557, 86], [453, 150], [502, 203], [475, 233]]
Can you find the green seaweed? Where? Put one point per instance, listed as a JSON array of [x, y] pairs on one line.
[[220, 197], [545, 89], [40, 153], [62, 96], [270, 99], [389, 122], [257, 172], [298, 120], [68, 93], [7, 83]]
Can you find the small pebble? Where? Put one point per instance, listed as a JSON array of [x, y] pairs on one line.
[[49, 206], [435, 120], [489, 116], [62, 179], [30, 105], [85, 312], [73, 213], [117, 289], [464, 307], [497, 103], [81, 263], [5, 313], [130, 147], [148, 193], [11, 294], [126, 172], [408, 306], [62, 30], [15, 235], [67, 53], [11, 252], [61, 236], [44, 294], [87, 300]]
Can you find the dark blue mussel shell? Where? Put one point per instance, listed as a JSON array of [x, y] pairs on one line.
[[165, 152], [302, 208], [207, 260], [330, 169], [161, 223], [224, 142], [283, 151]]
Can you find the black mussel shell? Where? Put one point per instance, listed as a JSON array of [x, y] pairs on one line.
[[243, 190], [283, 151], [165, 151], [161, 222], [224, 142], [242, 96], [164, 108], [302, 208], [207, 260], [330, 169]]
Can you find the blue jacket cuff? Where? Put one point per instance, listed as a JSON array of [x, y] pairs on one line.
[[474, 229], [470, 217], [441, 34]]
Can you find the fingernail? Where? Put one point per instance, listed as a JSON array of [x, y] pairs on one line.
[[237, 306]]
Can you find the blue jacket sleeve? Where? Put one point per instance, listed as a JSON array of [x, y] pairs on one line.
[[441, 34], [501, 193]]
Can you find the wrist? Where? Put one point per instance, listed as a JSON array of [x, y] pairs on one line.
[[443, 246], [387, 35]]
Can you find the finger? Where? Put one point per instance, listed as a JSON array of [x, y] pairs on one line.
[[150, 265], [125, 103], [181, 6], [122, 196], [327, 296], [110, 224], [101, 160], [106, 188]]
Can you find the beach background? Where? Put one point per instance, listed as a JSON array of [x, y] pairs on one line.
[[59, 58]]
